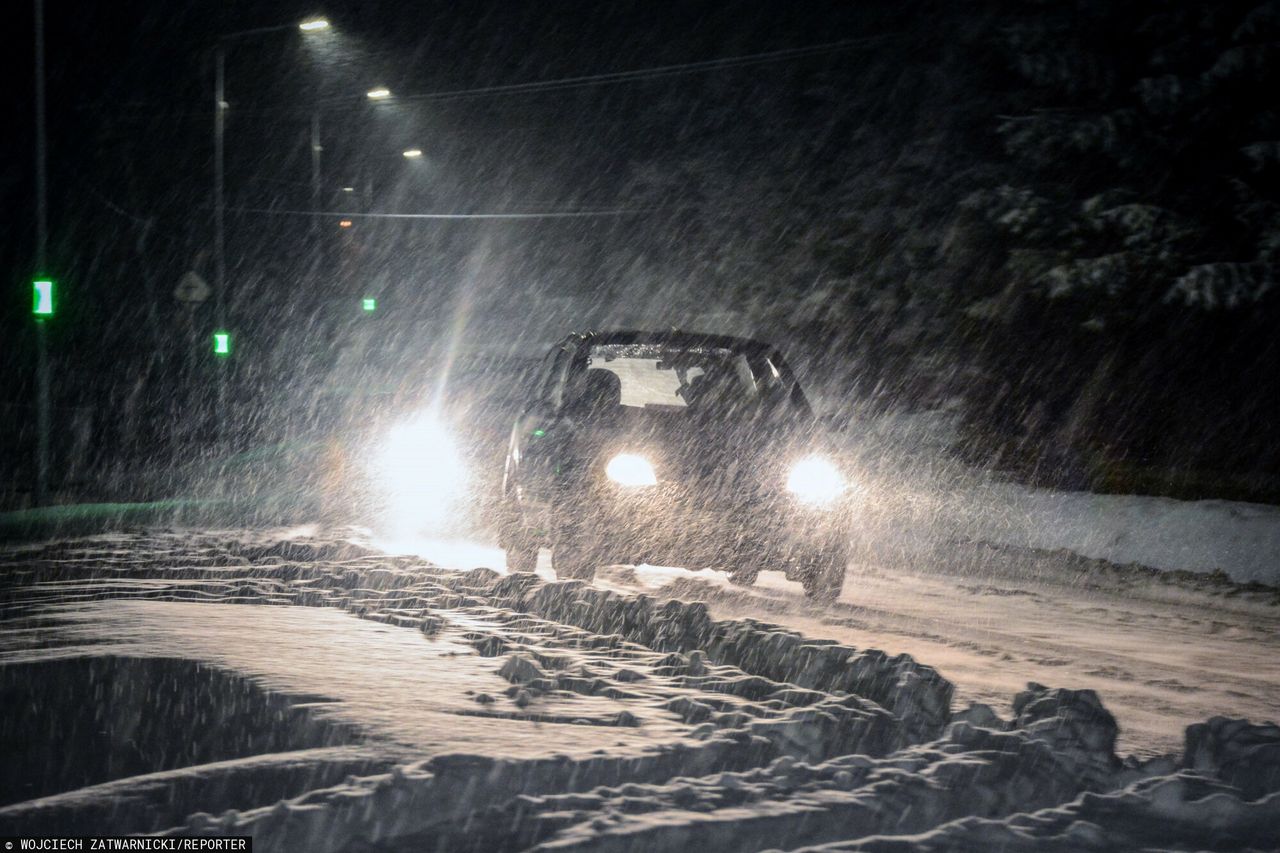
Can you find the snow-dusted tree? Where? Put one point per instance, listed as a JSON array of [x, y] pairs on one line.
[[1139, 215]]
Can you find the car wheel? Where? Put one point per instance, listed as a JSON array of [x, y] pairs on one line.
[[576, 558], [823, 578], [513, 538], [522, 554]]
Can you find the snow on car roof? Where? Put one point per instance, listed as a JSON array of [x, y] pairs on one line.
[[674, 338]]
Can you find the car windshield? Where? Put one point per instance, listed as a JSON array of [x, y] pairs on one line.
[[653, 377]]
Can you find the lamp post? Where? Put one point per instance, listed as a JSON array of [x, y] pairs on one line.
[[219, 151], [219, 181], [42, 288], [316, 150]]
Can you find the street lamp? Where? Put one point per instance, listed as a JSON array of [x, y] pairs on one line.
[[413, 153], [42, 290], [379, 94], [219, 154], [219, 177]]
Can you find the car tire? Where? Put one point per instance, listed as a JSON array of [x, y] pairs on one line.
[[576, 558], [522, 554], [521, 548], [823, 578]]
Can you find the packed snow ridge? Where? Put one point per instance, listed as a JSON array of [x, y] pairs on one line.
[[759, 738]]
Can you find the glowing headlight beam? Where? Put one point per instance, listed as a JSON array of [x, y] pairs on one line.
[[815, 481], [420, 473], [628, 469]]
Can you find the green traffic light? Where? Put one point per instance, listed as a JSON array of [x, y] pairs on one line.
[[42, 298], [369, 304], [222, 343]]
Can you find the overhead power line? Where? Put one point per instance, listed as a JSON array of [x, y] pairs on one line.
[[538, 214], [562, 83], [647, 73]]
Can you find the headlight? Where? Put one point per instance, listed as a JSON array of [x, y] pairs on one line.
[[420, 473], [627, 469], [815, 481]]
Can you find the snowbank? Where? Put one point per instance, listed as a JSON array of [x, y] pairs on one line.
[[1240, 539], [921, 501], [1046, 780], [758, 737]]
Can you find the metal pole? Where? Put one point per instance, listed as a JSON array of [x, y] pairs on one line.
[[219, 219], [43, 404], [316, 150], [219, 211], [222, 298]]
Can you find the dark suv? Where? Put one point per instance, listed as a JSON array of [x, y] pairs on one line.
[[673, 448]]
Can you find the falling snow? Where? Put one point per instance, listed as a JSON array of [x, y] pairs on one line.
[[290, 290]]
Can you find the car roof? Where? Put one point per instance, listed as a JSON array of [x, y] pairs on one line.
[[670, 338]]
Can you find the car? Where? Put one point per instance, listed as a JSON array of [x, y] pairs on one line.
[[673, 448]]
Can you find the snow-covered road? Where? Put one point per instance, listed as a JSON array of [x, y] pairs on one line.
[[1165, 649], [1164, 652], [381, 700]]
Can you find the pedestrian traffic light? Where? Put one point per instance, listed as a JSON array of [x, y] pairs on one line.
[[222, 343], [42, 297], [369, 304]]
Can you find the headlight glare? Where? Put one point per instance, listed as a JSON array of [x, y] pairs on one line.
[[628, 469], [815, 481], [420, 474]]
